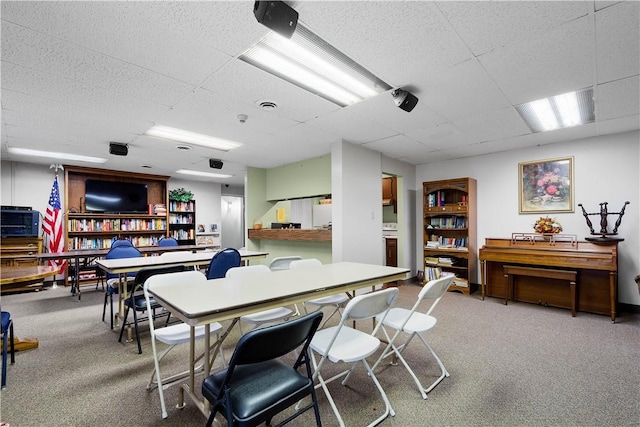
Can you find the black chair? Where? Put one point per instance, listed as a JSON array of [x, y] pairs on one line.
[[137, 303], [223, 261], [7, 336], [258, 385]]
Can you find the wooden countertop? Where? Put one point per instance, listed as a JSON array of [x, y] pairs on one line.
[[306, 235]]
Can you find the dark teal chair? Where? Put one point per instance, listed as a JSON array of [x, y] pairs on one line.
[[258, 385]]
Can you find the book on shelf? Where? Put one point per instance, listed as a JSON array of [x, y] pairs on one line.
[[445, 260], [160, 209], [432, 273], [431, 260], [461, 281]]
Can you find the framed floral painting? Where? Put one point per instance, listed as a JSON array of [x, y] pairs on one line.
[[546, 185]]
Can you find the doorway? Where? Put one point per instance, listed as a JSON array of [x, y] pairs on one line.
[[232, 232]]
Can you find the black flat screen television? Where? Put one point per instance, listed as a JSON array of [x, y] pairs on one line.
[[115, 197]]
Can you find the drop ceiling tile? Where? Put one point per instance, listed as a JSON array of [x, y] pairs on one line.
[[618, 41], [397, 41], [618, 99], [37, 51], [351, 126], [490, 26], [398, 146], [60, 119], [493, 124], [241, 81], [228, 26], [40, 87], [556, 62], [210, 113], [133, 37], [463, 90], [618, 125], [305, 135], [442, 136], [428, 157]]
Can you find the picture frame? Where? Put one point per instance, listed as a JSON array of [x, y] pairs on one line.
[[546, 185]]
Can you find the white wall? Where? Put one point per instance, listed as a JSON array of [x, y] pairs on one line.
[[357, 208], [27, 184], [207, 196], [605, 170]]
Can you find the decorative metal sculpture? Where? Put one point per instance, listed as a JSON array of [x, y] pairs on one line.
[[604, 234]]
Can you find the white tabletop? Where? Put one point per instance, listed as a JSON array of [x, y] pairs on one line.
[[127, 265], [221, 299]]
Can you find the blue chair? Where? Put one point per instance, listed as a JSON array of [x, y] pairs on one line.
[[7, 334], [118, 251], [120, 243], [222, 262], [167, 241]]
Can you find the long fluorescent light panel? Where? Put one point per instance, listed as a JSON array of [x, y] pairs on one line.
[[55, 155], [174, 134], [311, 63]]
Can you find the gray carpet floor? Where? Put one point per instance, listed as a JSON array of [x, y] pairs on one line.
[[515, 365]]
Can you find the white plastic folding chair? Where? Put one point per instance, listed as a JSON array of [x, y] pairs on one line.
[[414, 323], [178, 255], [343, 344], [284, 263], [174, 334], [336, 301], [266, 316]]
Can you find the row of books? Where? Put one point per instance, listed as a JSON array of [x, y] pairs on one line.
[[176, 206], [183, 234], [86, 243], [446, 242], [439, 261], [433, 273], [180, 219], [106, 225], [448, 222]]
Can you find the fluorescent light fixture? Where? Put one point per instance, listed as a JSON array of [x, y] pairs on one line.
[[55, 155], [207, 174], [561, 111], [166, 132], [311, 63]]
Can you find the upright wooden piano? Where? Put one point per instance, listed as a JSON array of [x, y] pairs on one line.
[[595, 266]]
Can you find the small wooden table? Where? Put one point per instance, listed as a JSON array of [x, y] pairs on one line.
[[25, 276]]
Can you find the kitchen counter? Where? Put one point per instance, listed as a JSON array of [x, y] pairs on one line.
[[306, 235]]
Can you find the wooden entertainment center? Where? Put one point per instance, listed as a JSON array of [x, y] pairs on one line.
[[86, 230], [578, 275]]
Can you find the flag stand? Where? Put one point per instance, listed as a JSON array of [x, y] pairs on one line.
[[52, 225]]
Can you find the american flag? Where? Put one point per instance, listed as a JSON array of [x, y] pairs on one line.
[[52, 225]]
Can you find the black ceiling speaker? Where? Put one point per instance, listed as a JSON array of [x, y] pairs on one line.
[[276, 15], [118, 149], [215, 164], [405, 100]]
